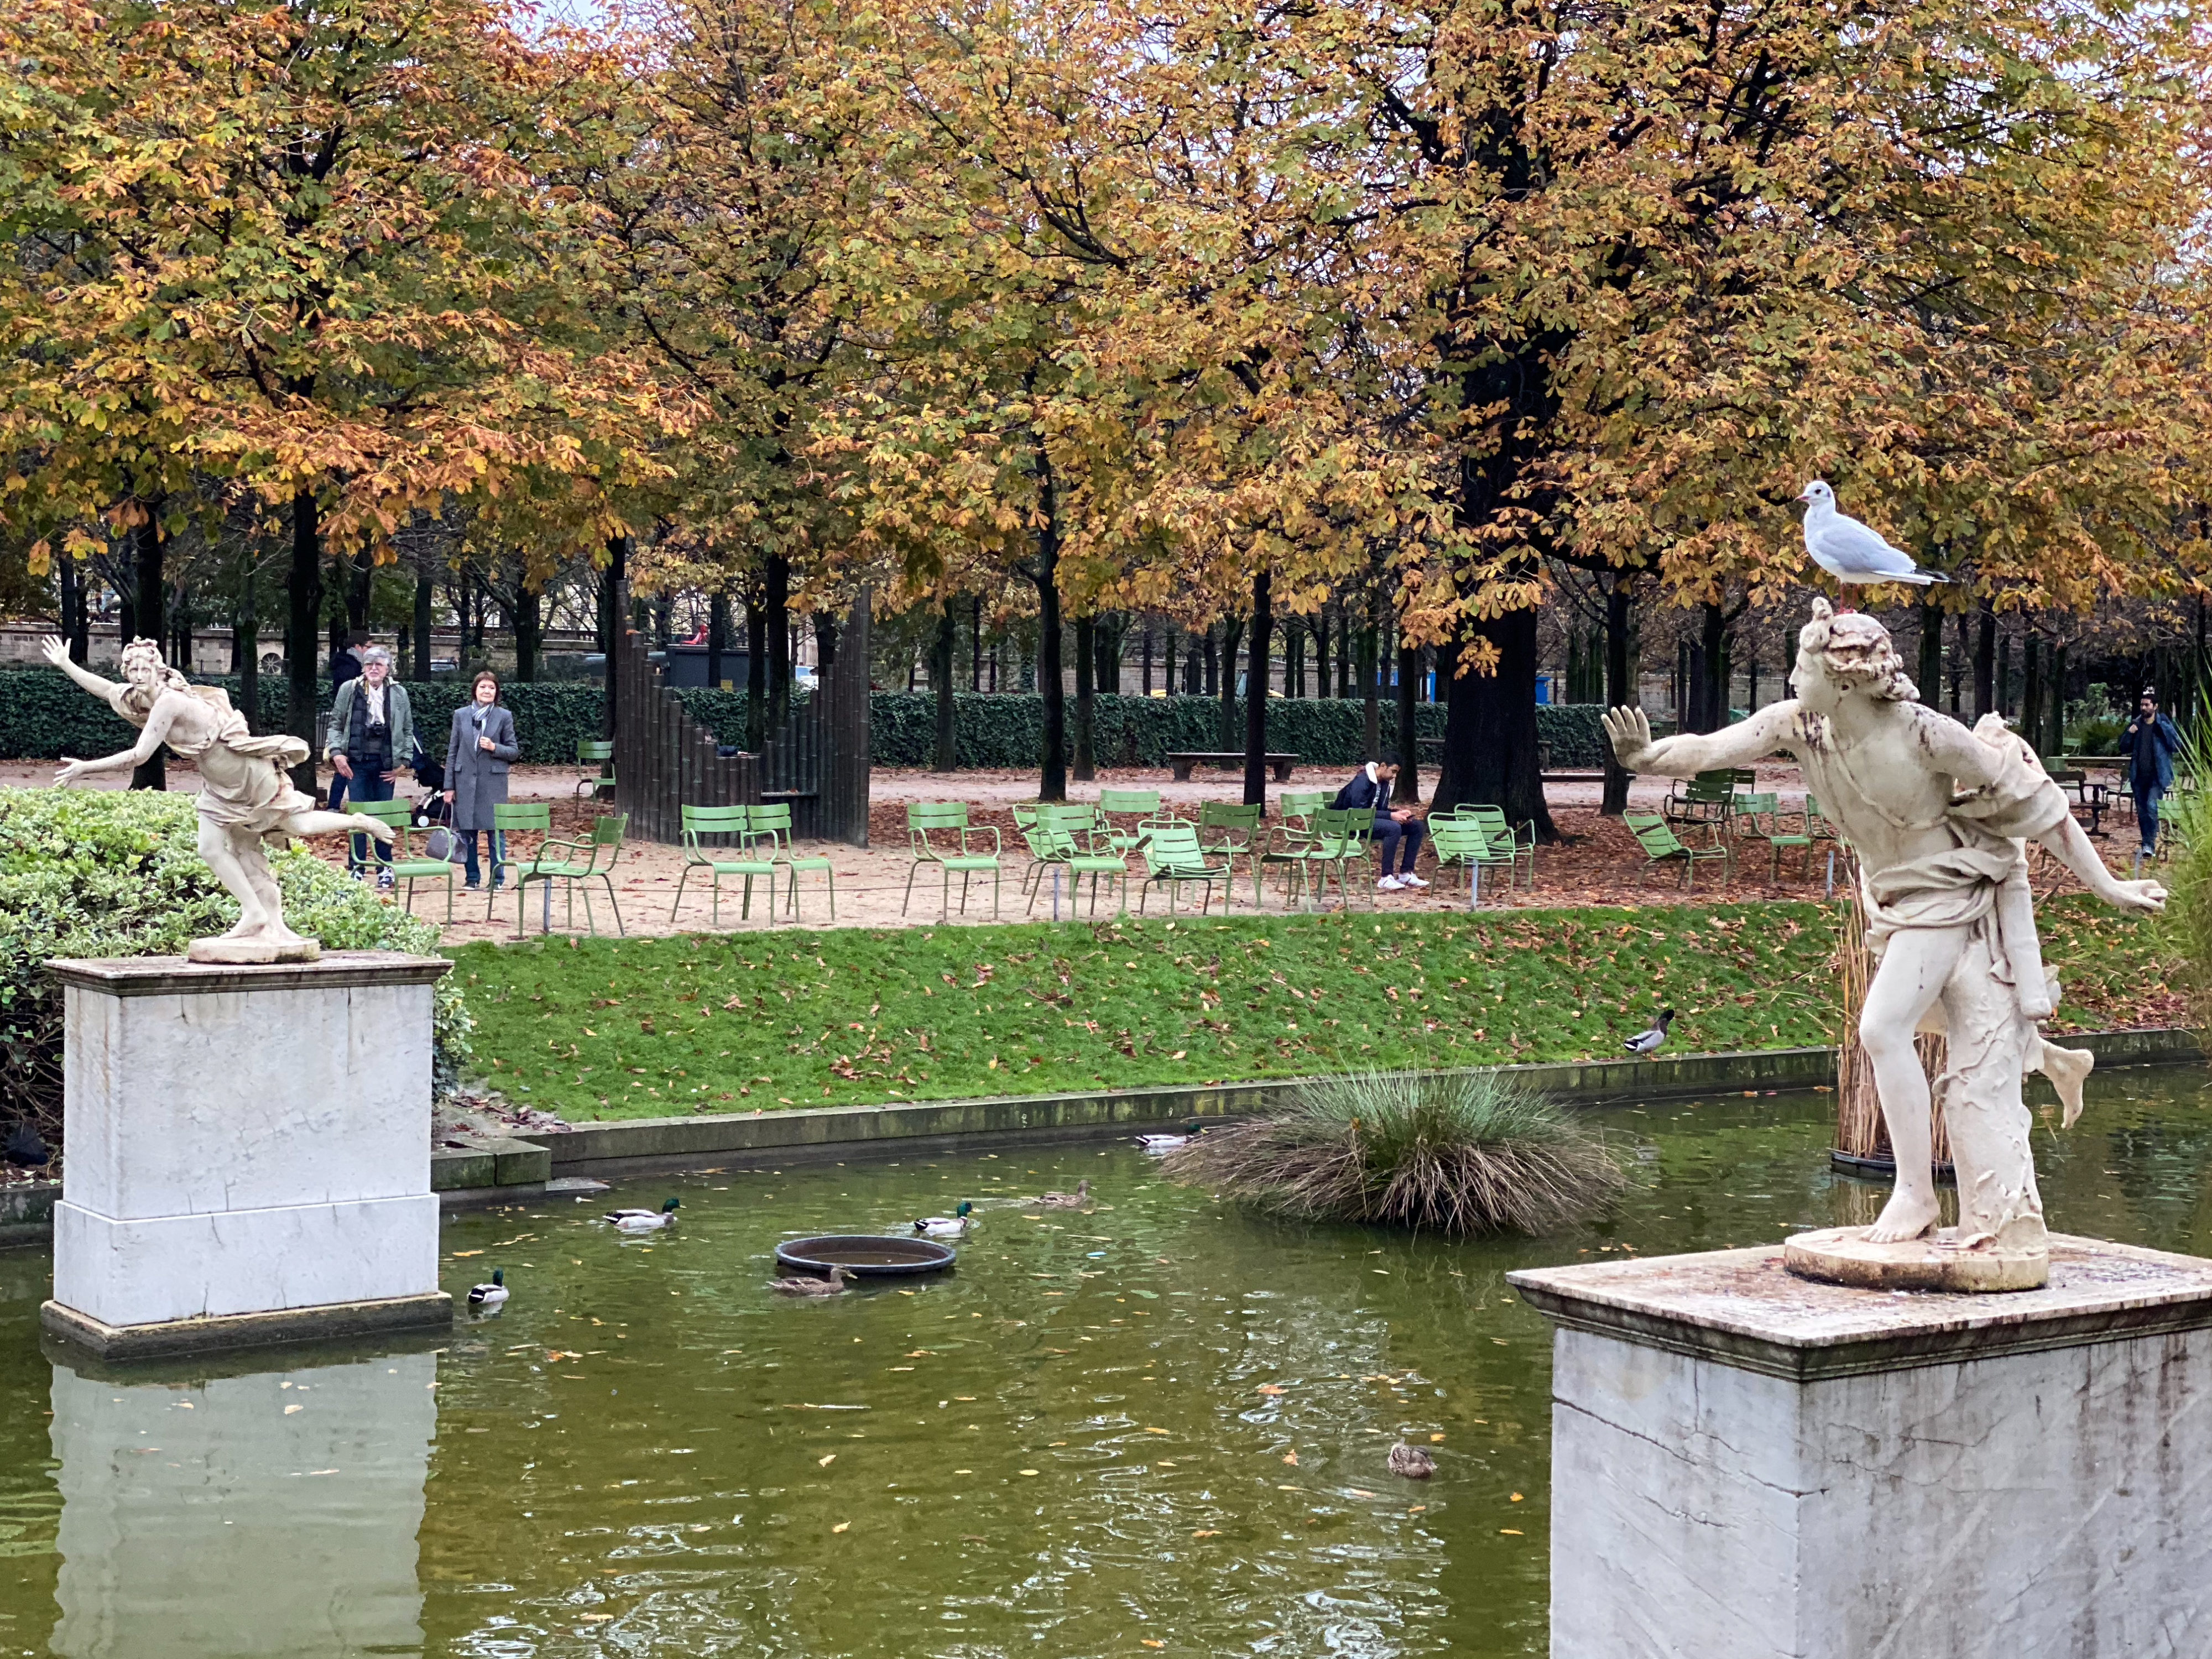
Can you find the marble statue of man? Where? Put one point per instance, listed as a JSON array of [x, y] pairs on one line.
[[1939, 816], [246, 794]]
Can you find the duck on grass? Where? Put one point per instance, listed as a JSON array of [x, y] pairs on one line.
[[1455, 1155]]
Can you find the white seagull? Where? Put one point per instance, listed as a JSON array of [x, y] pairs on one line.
[[1850, 552]]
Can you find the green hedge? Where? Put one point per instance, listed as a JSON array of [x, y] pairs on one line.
[[42, 716]]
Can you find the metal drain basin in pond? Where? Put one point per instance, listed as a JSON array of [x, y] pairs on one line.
[[864, 1255]]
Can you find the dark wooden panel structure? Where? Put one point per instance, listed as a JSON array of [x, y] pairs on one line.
[[666, 760]]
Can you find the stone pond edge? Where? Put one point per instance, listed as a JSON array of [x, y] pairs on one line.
[[494, 1169]]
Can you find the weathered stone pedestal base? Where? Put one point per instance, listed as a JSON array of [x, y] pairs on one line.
[[1748, 1465], [249, 1153]]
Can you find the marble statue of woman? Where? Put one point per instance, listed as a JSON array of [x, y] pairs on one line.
[[246, 795], [1939, 816]]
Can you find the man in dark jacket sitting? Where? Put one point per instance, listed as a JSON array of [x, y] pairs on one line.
[[1397, 831]]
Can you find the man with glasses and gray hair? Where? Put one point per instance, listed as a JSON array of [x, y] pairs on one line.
[[372, 735]]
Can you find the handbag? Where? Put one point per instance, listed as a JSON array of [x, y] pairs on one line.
[[444, 846]]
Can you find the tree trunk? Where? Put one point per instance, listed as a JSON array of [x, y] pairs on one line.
[[1409, 744], [756, 673], [529, 632], [2058, 689], [718, 635], [975, 677], [776, 619], [1371, 693], [304, 583], [76, 622], [2031, 689], [1052, 781], [612, 581], [1322, 686], [360, 570], [1168, 672], [1985, 659], [940, 688], [1490, 729], [1233, 630], [1147, 670], [151, 616], [1256, 689], [1210, 685], [1620, 687], [425, 596], [1087, 668], [1708, 673]]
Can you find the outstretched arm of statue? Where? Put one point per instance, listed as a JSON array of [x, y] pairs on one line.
[[148, 745], [1690, 753], [2066, 841], [57, 656]]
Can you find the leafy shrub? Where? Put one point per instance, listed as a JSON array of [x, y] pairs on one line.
[[2187, 924], [117, 873], [2098, 735], [43, 716], [1458, 1155]]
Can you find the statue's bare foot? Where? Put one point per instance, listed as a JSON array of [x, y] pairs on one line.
[[1907, 1215]]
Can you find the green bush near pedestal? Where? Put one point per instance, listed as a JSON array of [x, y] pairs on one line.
[[117, 873]]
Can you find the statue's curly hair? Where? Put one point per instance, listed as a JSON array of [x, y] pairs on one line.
[[1856, 651], [139, 654]]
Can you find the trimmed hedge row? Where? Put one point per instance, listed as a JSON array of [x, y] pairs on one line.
[[43, 716]]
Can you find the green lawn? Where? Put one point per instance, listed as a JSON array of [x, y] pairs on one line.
[[719, 1022]]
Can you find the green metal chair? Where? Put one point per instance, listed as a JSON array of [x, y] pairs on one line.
[[595, 769], [1706, 799], [405, 865], [1781, 839], [1068, 837], [1661, 844], [1139, 805], [1459, 843], [924, 818], [509, 819], [702, 824], [1229, 830], [1172, 855], [772, 822], [1343, 836], [1291, 843], [1507, 846], [591, 857]]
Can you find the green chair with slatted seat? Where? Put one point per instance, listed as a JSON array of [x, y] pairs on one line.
[[587, 857], [406, 865], [927, 819], [1459, 843], [1136, 805], [734, 856], [1069, 837], [1661, 845], [1508, 846], [770, 825], [1291, 843], [1230, 830], [509, 819], [1344, 836], [1172, 857], [595, 769]]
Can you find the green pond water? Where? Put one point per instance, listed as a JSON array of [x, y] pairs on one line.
[[1159, 1426]]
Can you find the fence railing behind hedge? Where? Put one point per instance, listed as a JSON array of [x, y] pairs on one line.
[[43, 716]]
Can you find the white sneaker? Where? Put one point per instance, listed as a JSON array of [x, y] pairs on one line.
[[1411, 881], [1388, 885]]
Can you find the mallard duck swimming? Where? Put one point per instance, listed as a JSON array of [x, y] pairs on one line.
[[642, 1221], [811, 1286], [944, 1226], [1411, 1461], [489, 1298], [1157, 1145], [1074, 1200]]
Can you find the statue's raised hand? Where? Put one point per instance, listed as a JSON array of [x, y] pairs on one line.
[[1630, 732], [2136, 895], [55, 651]]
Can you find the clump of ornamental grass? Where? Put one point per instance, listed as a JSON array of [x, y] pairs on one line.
[[1457, 1155], [2187, 923]]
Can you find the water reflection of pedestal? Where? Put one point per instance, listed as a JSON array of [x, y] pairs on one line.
[[249, 1153], [274, 1514], [1746, 1463]]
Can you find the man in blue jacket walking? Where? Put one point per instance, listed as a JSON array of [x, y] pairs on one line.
[[2150, 743], [1397, 832]]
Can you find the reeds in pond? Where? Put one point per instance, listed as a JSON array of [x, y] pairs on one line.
[[1456, 1155]]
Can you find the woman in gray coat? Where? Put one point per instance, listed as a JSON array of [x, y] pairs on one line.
[[480, 749]]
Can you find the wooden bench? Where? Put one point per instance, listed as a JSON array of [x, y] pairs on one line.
[[1574, 777], [1183, 765]]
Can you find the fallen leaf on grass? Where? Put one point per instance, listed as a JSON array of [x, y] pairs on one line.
[[841, 1526], [1509, 1532], [825, 1462]]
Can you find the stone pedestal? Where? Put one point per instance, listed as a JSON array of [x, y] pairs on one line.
[[1747, 1465], [248, 1152]]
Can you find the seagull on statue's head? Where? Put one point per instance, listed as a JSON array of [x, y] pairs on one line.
[[1850, 552]]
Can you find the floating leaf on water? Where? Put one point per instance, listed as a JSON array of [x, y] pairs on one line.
[[458, 1255], [1273, 1387], [841, 1526], [1207, 1533], [825, 1462], [1025, 1471], [1148, 1295], [288, 1410], [1291, 1458]]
